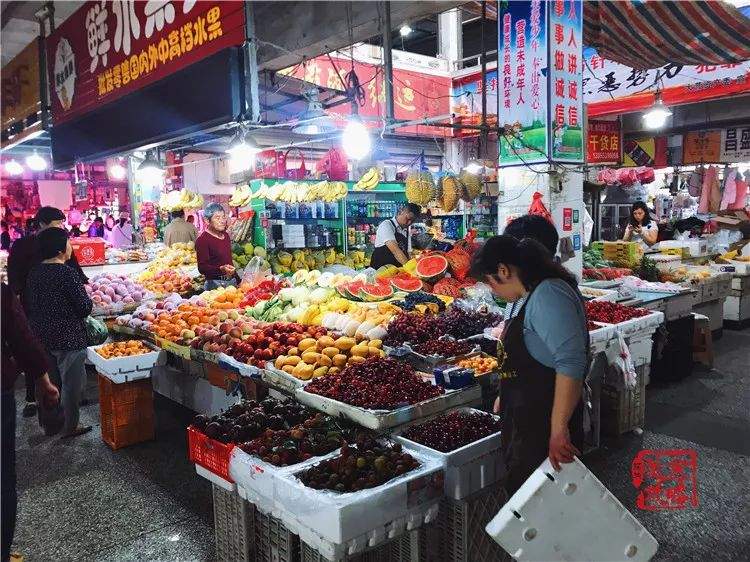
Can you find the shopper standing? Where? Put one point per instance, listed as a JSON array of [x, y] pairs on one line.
[[543, 355], [4, 237], [109, 225], [179, 230], [122, 233], [392, 238], [24, 254], [57, 306], [21, 351], [96, 230], [640, 227], [214, 249]]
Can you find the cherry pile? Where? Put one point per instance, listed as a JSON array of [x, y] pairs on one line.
[[453, 430], [413, 328], [366, 465], [445, 348], [612, 313], [591, 326], [248, 419], [380, 383], [316, 436], [461, 323]]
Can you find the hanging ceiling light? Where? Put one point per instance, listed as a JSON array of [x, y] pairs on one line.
[[355, 139], [474, 167], [314, 120], [150, 171], [117, 171], [36, 162], [242, 151], [13, 168], [656, 116], [405, 30]]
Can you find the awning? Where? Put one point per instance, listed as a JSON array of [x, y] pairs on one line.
[[646, 34], [649, 34]]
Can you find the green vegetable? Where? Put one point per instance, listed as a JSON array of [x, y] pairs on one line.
[[647, 270]]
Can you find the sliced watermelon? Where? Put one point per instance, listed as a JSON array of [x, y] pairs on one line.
[[408, 284], [350, 290], [432, 267], [375, 292]]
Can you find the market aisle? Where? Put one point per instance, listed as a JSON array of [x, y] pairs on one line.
[[83, 501], [708, 412], [79, 500]]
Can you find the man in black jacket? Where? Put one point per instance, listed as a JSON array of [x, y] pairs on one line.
[[24, 254]]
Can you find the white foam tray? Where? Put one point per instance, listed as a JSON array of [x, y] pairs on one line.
[[569, 517], [124, 369], [218, 480], [386, 419], [280, 380]]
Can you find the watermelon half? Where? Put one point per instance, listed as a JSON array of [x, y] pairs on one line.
[[350, 290], [372, 292], [406, 284], [432, 267]]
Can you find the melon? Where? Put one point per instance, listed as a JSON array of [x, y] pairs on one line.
[[350, 290], [432, 267], [406, 284], [372, 292]]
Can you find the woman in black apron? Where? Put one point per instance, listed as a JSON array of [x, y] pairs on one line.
[[537, 424], [383, 255]]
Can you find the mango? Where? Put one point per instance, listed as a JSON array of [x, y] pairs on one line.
[[359, 350], [324, 361], [330, 352], [310, 357], [354, 359], [279, 363], [288, 369], [373, 351], [344, 343], [376, 343], [333, 370], [306, 344], [293, 351], [319, 372], [339, 360], [325, 341], [292, 360], [303, 371]]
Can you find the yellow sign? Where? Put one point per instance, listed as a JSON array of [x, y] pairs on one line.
[[701, 147], [20, 86]]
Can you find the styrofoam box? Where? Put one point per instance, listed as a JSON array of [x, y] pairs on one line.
[[124, 365], [737, 308], [385, 419], [338, 518], [678, 306], [280, 380], [696, 246], [640, 350], [569, 515], [469, 468], [598, 338], [741, 267], [218, 480], [643, 325]]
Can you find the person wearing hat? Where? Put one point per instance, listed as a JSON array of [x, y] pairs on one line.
[[24, 254], [214, 249], [57, 306], [393, 238]]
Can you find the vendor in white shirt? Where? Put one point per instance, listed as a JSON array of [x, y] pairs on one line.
[[641, 228], [393, 238]]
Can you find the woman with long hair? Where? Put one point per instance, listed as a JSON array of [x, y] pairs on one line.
[[543, 354], [640, 227]]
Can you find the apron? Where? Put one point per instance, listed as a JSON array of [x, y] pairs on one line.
[[383, 255], [527, 391]]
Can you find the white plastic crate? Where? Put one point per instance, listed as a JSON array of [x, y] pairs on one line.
[[598, 338], [273, 540], [469, 468], [124, 369], [569, 515]]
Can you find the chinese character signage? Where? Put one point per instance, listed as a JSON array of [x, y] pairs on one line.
[[108, 49], [20, 86], [565, 76], [701, 147], [523, 66], [466, 101], [611, 88], [735, 144], [415, 94], [603, 142]]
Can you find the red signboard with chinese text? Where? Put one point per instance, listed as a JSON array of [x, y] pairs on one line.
[[415, 95], [603, 142], [108, 49]]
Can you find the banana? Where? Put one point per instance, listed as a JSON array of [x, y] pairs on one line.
[[368, 181]]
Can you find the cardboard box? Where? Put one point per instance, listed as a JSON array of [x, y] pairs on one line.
[[88, 251]]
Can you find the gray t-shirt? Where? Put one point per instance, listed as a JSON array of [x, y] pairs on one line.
[[554, 329]]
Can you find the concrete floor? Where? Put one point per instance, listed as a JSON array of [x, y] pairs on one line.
[[81, 501]]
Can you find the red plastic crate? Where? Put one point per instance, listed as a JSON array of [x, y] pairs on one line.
[[209, 453]]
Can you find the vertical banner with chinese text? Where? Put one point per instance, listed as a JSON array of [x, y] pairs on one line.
[[106, 50], [603, 142], [565, 80], [522, 82]]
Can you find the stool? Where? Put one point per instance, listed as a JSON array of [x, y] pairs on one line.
[[703, 344]]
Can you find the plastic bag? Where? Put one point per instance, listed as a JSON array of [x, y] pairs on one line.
[[254, 273], [618, 355], [537, 207], [460, 262], [96, 331], [479, 298]]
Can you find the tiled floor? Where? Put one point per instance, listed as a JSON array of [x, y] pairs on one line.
[[81, 501]]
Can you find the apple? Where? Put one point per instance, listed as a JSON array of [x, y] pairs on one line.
[[235, 332]]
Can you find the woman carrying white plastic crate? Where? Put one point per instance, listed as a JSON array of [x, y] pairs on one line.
[[543, 355]]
